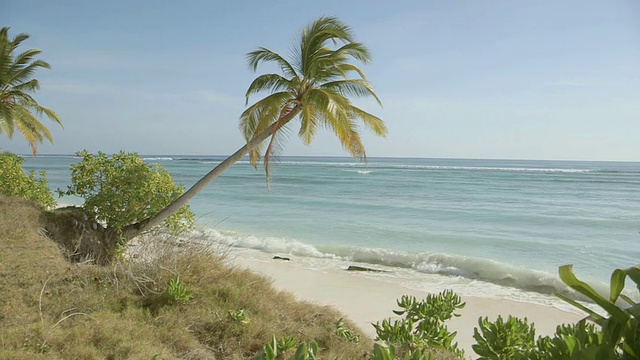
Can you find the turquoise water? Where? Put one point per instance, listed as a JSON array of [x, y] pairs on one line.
[[506, 222]]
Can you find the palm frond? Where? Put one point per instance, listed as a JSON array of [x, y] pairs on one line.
[[355, 50], [346, 68], [28, 86], [372, 122], [352, 87], [270, 82], [262, 114], [263, 54], [314, 37], [22, 74], [346, 130], [274, 147], [30, 127], [7, 126], [310, 118]]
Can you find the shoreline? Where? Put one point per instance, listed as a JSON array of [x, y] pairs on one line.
[[369, 298]]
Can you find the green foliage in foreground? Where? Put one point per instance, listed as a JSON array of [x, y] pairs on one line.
[[15, 182], [423, 324], [571, 342], [621, 329], [389, 353], [617, 338], [176, 291], [278, 348], [513, 339], [122, 189], [346, 333], [422, 329]]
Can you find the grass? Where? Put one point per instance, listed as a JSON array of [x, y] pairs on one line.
[[53, 309]]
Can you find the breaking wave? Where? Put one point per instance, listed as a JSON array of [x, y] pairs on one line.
[[159, 158], [470, 268]]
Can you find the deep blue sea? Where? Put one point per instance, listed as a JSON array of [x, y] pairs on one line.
[[508, 223]]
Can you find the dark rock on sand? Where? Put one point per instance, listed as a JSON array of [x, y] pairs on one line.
[[281, 258], [361, 268]]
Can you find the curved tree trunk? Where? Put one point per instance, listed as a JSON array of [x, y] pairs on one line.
[[136, 229]]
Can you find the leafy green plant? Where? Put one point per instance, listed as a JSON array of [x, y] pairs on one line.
[[621, 329], [122, 189], [570, 342], [276, 349], [423, 324], [239, 315], [512, 339], [345, 332], [306, 351], [176, 291], [15, 182], [287, 343], [381, 352]]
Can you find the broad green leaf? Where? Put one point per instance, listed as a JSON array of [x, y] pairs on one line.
[[567, 276]]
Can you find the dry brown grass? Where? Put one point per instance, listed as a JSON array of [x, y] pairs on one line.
[[52, 309]]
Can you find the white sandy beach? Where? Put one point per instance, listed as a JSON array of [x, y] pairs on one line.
[[366, 299]]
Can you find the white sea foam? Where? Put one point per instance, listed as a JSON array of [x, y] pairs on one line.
[[382, 165], [467, 275], [491, 168], [161, 158]]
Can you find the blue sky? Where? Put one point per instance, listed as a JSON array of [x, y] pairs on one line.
[[471, 79]]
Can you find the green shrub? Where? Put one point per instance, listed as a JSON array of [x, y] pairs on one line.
[[276, 349], [570, 342], [381, 352], [621, 329], [346, 333], [513, 339], [122, 189], [423, 324], [239, 316], [176, 291], [16, 183]]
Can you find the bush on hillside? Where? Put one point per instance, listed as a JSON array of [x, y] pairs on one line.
[[423, 327], [122, 189], [15, 182]]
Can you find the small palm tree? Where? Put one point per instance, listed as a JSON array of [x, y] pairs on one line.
[[17, 106], [314, 87]]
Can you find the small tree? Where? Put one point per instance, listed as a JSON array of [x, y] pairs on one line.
[[122, 189], [15, 182]]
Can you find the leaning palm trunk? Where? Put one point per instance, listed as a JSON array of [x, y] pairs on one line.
[[133, 230]]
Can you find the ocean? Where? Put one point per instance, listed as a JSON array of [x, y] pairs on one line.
[[481, 227]]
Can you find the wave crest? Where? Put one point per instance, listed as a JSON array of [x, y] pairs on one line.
[[470, 268]]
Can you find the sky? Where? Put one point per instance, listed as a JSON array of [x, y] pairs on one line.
[[554, 80]]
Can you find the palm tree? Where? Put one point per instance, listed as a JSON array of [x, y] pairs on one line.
[[17, 106], [313, 87]]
